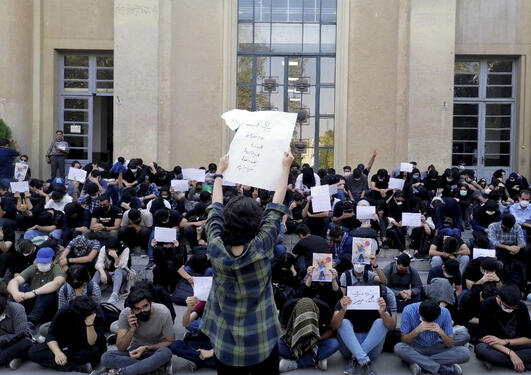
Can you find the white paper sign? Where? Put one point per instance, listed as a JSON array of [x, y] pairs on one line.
[[19, 187], [257, 149], [194, 174], [165, 234], [75, 129], [362, 249], [75, 174], [396, 183], [202, 286], [365, 212], [411, 219], [227, 183], [478, 253], [321, 199], [20, 171], [363, 297], [406, 167], [333, 189], [180, 185], [322, 264]]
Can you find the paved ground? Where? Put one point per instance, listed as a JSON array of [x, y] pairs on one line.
[[387, 363]]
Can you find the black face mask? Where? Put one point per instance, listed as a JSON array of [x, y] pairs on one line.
[[143, 316], [77, 284]]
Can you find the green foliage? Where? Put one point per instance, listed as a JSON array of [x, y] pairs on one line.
[[5, 131]]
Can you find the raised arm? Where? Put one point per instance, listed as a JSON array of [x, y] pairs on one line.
[[217, 193], [280, 192]]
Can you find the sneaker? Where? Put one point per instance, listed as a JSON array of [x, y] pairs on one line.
[[15, 363], [150, 265], [368, 369], [350, 369], [450, 370], [286, 365], [384, 246], [415, 369], [114, 298], [107, 371], [487, 365], [322, 364], [84, 369]]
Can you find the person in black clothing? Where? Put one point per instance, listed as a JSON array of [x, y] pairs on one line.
[[169, 258], [75, 221], [396, 204], [505, 331], [482, 217], [463, 195], [345, 216], [24, 256], [379, 186], [316, 221], [75, 341], [296, 207], [307, 245], [431, 182], [284, 279], [329, 293]]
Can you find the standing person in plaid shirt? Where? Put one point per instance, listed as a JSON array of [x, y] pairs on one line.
[[240, 316]]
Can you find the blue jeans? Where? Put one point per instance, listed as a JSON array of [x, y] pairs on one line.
[[32, 233], [462, 259], [150, 361], [279, 250], [364, 347], [118, 278], [208, 271], [325, 349], [40, 309], [188, 350]]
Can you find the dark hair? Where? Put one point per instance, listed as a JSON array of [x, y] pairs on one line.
[[104, 197], [403, 260], [522, 192], [298, 196], [429, 310], [36, 183], [4, 142], [24, 156], [4, 297], [335, 232], [508, 220], [73, 208], [45, 217], [121, 159], [347, 167], [308, 178], [134, 214], [137, 294], [177, 170], [83, 306], [382, 172], [74, 163], [489, 264], [25, 246], [77, 272], [302, 229], [321, 173], [212, 167], [242, 217], [331, 171], [161, 214], [356, 173], [59, 131], [452, 267], [450, 245], [91, 188], [205, 196], [56, 196]]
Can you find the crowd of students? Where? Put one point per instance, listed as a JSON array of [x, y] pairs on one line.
[[265, 313]]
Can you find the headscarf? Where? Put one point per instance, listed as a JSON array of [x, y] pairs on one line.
[[302, 332]]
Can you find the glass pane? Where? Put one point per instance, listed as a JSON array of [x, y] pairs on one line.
[[497, 148], [286, 37], [76, 141], [308, 131], [78, 128], [78, 154], [467, 66], [326, 132], [76, 103], [277, 68], [245, 69], [497, 135], [311, 10], [295, 10], [465, 109], [470, 160], [105, 74], [498, 122], [498, 109], [262, 102], [326, 158], [311, 37], [76, 86], [466, 92], [73, 73], [76, 60], [464, 147], [500, 66], [294, 69], [308, 100], [499, 92], [262, 68], [466, 79], [465, 134], [76, 116], [294, 100], [497, 160], [328, 38], [465, 122], [104, 86], [245, 37], [279, 10], [499, 79], [245, 10], [328, 69], [262, 36], [277, 99], [105, 61], [244, 98], [328, 10], [308, 69], [326, 103], [262, 10]]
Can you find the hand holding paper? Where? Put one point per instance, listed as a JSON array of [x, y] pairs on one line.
[[396, 183], [363, 297], [365, 212], [202, 286], [75, 174], [165, 234], [320, 198], [410, 219]]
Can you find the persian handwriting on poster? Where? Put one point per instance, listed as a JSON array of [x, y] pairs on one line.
[[322, 264], [396, 183], [406, 167], [320, 199], [194, 174], [258, 146], [202, 286], [165, 234], [478, 253], [179, 185], [20, 171], [363, 297], [362, 249], [75, 174], [365, 212], [19, 187], [410, 219]]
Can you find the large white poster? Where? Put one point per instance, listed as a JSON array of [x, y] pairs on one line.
[[256, 152]]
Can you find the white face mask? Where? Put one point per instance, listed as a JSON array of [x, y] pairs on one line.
[[506, 309], [463, 192], [134, 170], [490, 213], [449, 179], [359, 268], [399, 203], [524, 204], [2, 317], [446, 274], [487, 191], [347, 174], [44, 267]]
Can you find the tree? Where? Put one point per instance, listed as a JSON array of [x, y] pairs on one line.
[[5, 131]]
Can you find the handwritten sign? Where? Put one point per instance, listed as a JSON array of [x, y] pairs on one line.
[[202, 286], [410, 219], [365, 212], [406, 167], [20, 171], [257, 150], [75, 174], [165, 234], [322, 264], [19, 187], [194, 174], [363, 297], [396, 183], [333, 189], [362, 249], [179, 185], [478, 253], [321, 198]]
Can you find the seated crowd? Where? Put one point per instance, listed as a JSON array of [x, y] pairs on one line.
[[78, 240]]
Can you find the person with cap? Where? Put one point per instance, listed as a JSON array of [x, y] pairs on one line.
[[36, 287], [404, 281], [75, 340], [56, 154], [505, 331]]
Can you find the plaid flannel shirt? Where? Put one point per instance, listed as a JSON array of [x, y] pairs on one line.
[[240, 316], [498, 236]]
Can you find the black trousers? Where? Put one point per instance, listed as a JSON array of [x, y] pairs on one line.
[[43, 356], [17, 349], [57, 165], [268, 366], [485, 352]]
